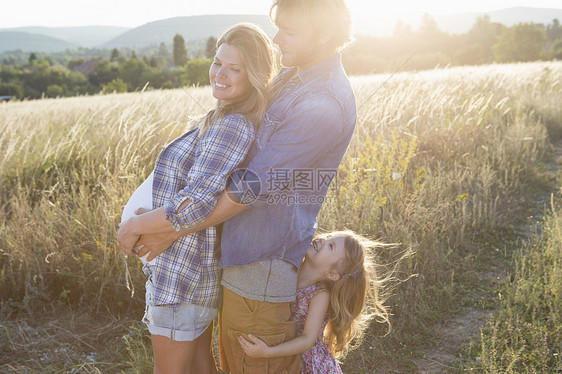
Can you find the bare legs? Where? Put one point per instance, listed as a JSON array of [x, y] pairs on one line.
[[195, 357], [204, 361]]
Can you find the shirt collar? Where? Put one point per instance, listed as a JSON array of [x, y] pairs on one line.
[[319, 69]]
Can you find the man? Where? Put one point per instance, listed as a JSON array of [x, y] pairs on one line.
[[269, 208]]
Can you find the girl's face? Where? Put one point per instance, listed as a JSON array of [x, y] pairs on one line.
[[228, 76], [327, 253]]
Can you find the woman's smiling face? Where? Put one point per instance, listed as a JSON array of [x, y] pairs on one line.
[[228, 76]]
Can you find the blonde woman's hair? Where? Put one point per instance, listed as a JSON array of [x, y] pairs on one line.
[[356, 298], [325, 17], [258, 55]]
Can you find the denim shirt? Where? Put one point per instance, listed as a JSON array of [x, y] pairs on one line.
[[286, 174]]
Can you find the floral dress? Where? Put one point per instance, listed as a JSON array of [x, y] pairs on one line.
[[318, 359]]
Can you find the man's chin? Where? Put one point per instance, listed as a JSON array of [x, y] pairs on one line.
[[287, 62]]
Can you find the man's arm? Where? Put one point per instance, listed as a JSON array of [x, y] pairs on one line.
[[308, 133], [156, 234]]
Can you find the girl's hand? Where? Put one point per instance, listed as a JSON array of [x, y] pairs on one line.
[[254, 347]]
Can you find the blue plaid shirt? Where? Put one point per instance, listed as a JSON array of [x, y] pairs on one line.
[[196, 169]]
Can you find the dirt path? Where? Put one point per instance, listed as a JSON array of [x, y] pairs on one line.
[[457, 333]]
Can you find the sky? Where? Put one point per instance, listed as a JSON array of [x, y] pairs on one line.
[[133, 13]]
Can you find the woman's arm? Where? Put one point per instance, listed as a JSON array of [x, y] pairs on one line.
[[227, 207], [222, 148], [317, 308]]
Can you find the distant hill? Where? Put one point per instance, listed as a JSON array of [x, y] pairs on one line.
[[511, 16], [193, 27], [460, 23], [84, 36], [12, 40], [53, 39]]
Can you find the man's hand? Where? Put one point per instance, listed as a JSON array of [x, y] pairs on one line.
[[163, 236], [126, 236], [254, 347], [155, 243]]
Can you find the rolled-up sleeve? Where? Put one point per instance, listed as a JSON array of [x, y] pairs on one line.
[[223, 147]]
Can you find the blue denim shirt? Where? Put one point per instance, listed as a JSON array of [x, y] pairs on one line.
[[288, 169]]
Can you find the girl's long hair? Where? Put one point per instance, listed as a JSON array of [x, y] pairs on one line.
[[258, 56], [356, 298]]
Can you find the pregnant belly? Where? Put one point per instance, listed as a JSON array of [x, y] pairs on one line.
[[141, 198]]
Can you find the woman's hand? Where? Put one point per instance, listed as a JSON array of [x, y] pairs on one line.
[[155, 243], [134, 243], [254, 347]]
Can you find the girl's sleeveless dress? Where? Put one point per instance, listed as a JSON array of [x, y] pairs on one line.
[[318, 359]]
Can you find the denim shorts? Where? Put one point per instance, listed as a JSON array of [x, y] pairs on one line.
[[180, 322]]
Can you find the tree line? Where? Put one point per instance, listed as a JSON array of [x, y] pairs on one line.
[[486, 42], [69, 74], [160, 69]]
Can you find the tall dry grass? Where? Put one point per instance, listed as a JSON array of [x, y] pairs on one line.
[[440, 161], [66, 168]]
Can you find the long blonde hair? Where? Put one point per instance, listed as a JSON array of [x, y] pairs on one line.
[[356, 298], [258, 56]]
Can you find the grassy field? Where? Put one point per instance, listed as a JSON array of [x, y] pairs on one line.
[[445, 162], [526, 335]]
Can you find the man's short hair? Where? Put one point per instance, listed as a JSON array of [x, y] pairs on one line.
[[326, 17]]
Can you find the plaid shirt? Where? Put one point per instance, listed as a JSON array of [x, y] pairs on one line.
[[196, 169]]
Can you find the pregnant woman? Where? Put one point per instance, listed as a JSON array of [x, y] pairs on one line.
[[183, 286]]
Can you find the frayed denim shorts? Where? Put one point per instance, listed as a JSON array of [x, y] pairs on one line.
[[181, 322]]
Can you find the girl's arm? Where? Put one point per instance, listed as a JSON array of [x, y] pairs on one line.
[[317, 308]]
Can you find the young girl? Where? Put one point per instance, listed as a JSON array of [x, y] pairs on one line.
[[183, 286], [337, 296]]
